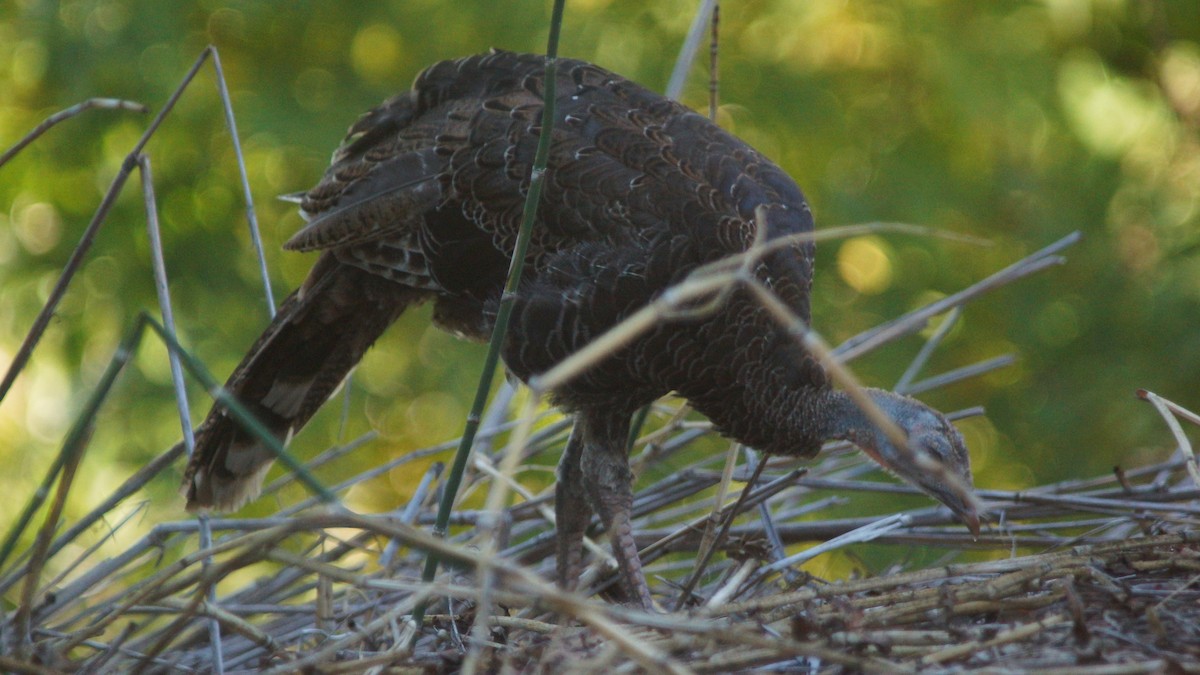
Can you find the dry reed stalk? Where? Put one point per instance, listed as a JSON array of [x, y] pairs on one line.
[[287, 621]]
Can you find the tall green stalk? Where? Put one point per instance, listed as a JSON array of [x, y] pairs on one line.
[[516, 267]]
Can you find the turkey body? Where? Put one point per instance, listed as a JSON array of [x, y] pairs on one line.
[[422, 203]]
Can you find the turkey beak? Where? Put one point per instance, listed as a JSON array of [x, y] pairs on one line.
[[962, 502], [972, 521], [970, 518]]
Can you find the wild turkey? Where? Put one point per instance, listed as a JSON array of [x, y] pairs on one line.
[[423, 202]]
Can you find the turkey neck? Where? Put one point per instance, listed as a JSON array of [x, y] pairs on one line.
[[757, 385]]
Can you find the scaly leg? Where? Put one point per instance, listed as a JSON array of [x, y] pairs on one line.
[[604, 465], [572, 513]]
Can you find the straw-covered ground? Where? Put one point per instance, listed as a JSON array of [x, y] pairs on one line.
[[1089, 576]]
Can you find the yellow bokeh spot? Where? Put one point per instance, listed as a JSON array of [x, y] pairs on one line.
[[38, 227], [376, 52], [1181, 76], [590, 5], [28, 64], [313, 88], [1057, 324], [434, 416], [8, 246], [1109, 113], [46, 412], [865, 265]]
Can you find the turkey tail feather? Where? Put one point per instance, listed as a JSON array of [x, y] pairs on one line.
[[320, 332]]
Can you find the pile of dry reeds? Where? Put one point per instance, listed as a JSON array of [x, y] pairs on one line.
[[1115, 586]]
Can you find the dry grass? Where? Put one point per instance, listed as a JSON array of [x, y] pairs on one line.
[[1115, 585]]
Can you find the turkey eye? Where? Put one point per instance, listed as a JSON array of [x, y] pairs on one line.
[[935, 447]]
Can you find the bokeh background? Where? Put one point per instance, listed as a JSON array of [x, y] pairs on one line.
[[1014, 121]]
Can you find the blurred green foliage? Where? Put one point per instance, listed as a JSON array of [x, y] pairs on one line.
[[1014, 121]]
